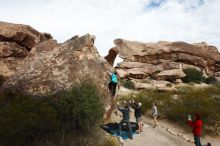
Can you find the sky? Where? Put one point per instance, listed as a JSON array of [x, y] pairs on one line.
[[138, 20]]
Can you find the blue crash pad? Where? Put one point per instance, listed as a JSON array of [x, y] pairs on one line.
[[113, 129]]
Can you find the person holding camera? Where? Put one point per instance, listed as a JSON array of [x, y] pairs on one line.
[[137, 114], [197, 128]]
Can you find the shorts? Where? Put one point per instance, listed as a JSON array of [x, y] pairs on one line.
[[155, 115], [138, 119]]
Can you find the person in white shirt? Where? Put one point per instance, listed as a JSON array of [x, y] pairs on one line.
[[155, 114]]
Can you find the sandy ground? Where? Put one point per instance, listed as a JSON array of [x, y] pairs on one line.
[[159, 136], [155, 137]]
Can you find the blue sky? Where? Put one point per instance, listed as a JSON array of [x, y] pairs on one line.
[[152, 4], [139, 20]]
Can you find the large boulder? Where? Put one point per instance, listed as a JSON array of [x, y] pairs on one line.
[[16, 42], [112, 54], [23, 35], [170, 75], [138, 70], [139, 85], [50, 72], [153, 84], [11, 56], [200, 55], [11, 49], [137, 73], [166, 58]]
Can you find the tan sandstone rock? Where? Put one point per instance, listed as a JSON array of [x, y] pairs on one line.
[[47, 45], [11, 49], [23, 35], [143, 86], [59, 69], [16, 40], [122, 73], [113, 52], [170, 74], [200, 55], [50, 71]]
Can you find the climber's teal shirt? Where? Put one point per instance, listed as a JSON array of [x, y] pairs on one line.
[[114, 78]]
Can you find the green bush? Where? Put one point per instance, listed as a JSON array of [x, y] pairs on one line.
[[128, 84], [81, 107], [27, 120], [211, 80], [146, 81], [169, 85], [205, 101], [193, 75], [110, 141], [153, 75], [147, 97]]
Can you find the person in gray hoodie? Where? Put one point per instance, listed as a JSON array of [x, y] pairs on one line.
[[126, 119]]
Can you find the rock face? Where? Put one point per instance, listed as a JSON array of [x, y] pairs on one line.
[[59, 69], [113, 52], [67, 63], [154, 84], [16, 42], [171, 75], [23, 35], [145, 59]]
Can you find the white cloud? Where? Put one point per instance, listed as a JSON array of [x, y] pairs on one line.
[[173, 20]]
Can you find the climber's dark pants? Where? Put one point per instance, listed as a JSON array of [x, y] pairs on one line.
[[112, 87], [197, 141], [128, 126]]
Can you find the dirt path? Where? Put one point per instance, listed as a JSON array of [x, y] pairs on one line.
[[160, 136], [166, 134], [155, 137]]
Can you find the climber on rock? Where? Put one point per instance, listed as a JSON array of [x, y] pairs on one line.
[[114, 83]]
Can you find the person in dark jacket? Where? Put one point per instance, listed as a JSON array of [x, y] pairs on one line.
[[137, 114], [126, 119], [197, 128]]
